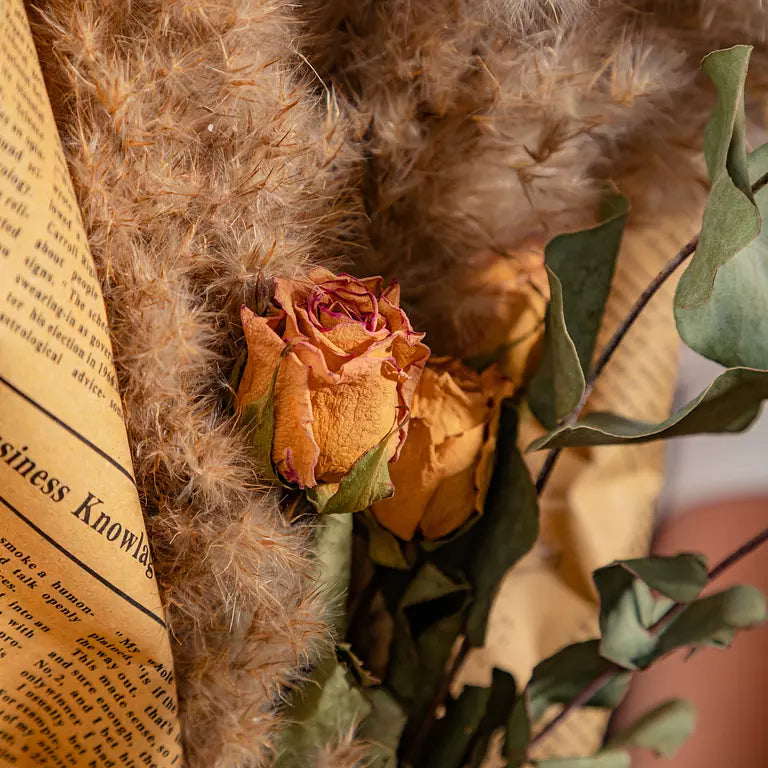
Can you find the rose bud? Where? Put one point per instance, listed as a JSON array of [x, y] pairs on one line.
[[443, 472], [345, 362]]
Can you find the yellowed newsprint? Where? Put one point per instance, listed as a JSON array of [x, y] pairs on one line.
[[85, 664]]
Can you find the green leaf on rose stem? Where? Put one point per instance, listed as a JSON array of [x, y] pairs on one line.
[[730, 404], [383, 546], [628, 609], [382, 729], [731, 327], [320, 709], [333, 558], [368, 481], [663, 730], [508, 527], [583, 263], [713, 620], [731, 220], [610, 758], [559, 678], [462, 736], [455, 731], [518, 735], [500, 705], [428, 621]]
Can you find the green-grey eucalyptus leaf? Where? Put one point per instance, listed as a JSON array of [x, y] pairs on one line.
[[680, 577], [583, 263], [610, 758], [559, 678], [333, 558], [626, 606], [320, 709], [382, 728], [567, 374], [731, 219], [730, 404], [663, 730], [507, 528], [731, 328], [712, 620]]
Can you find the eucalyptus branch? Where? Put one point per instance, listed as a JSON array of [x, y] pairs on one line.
[[653, 287], [605, 677], [650, 291]]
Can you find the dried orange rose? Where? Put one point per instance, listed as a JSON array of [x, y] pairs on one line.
[[444, 468], [347, 361]]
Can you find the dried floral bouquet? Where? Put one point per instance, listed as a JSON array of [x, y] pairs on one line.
[[415, 466]]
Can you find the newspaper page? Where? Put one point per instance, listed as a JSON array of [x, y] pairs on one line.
[[86, 674]]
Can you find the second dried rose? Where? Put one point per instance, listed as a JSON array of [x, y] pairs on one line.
[[444, 468]]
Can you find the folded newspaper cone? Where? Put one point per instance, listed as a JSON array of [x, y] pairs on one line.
[[86, 674]]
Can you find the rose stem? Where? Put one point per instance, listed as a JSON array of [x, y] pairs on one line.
[[605, 677]]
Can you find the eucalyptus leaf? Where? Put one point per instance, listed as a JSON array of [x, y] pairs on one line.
[[680, 577], [611, 758], [323, 707], [583, 263], [258, 418], [731, 327], [625, 607], [382, 729], [712, 620], [628, 609], [333, 557], [567, 374], [730, 404], [663, 730], [559, 678], [507, 528], [368, 481], [731, 220]]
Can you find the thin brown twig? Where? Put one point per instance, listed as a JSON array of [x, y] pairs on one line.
[[596, 685]]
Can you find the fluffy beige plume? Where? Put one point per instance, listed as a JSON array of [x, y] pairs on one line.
[[491, 122], [202, 164]]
